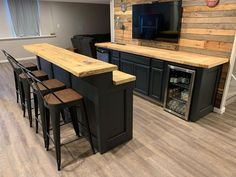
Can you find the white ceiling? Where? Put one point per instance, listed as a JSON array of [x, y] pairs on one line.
[[83, 1]]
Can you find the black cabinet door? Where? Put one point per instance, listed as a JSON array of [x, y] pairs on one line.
[[115, 61], [142, 74], [156, 84], [127, 67]]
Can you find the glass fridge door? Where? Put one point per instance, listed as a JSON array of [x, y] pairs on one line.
[[179, 89]]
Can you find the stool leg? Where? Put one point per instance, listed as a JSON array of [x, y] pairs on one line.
[[22, 97], [36, 112], [47, 127], [28, 100], [42, 117], [74, 117], [16, 87], [55, 117], [88, 127], [63, 115]]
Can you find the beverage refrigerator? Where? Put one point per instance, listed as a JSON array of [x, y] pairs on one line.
[[179, 89]]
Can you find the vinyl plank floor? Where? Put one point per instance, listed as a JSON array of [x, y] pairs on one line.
[[162, 146]]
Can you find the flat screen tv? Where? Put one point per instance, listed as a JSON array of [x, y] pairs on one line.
[[159, 21]]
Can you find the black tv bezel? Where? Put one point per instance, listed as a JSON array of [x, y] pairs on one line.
[[176, 40]]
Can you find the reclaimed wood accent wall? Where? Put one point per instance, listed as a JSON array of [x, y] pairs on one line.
[[204, 30]]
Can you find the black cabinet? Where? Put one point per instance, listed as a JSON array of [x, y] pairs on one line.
[[127, 67], [142, 74], [138, 66], [115, 61], [204, 92], [151, 80], [156, 90], [115, 58], [149, 72], [156, 84]]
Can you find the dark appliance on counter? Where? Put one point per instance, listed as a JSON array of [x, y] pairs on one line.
[[179, 89], [85, 44], [159, 21]]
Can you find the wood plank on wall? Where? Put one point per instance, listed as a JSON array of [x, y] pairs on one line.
[[221, 32], [209, 14], [203, 2], [223, 26], [204, 30], [209, 45], [212, 20], [220, 7]]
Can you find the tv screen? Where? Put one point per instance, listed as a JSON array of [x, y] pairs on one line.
[[158, 21]]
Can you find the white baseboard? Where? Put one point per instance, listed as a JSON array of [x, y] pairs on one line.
[[19, 59], [219, 111]]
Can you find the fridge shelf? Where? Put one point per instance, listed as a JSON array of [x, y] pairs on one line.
[[185, 86], [178, 99]]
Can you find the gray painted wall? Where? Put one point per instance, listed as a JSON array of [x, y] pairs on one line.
[[64, 19]]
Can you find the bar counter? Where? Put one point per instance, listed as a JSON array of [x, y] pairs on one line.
[[108, 93], [180, 57]]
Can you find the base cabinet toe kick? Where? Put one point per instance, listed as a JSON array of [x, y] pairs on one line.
[[109, 106]]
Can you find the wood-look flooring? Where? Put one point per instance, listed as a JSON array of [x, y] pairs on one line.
[[163, 145]]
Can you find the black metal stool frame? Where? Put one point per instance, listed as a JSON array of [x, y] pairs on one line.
[[20, 85], [23, 85], [16, 73], [38, 102], [53, 112]]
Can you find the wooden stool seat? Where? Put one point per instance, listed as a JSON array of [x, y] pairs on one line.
[[66, 95], [38, 73], [50, 84], [30, 66]]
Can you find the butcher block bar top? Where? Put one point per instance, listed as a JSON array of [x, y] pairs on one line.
[[121, 78], [186, 58], [78, 65]]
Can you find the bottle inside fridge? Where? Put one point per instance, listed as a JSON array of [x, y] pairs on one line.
[[179, 91]]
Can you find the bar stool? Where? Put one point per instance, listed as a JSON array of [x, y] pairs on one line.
[[26, 93], [23, 85], [53, 85], [55, 102], [16, 72]]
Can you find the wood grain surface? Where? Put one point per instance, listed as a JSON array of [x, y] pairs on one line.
[[207, 31], [162, 145], [76, 64], [122, 78], [186, 58], [204, 30]]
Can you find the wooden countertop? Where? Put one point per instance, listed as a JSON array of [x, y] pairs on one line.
[[78, 65], [121, 78], [186, 58]]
